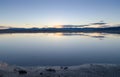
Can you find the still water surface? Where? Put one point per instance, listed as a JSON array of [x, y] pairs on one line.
[[32, 49]]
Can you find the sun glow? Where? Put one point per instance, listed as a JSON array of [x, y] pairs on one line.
[[58, 26], [58, 34]]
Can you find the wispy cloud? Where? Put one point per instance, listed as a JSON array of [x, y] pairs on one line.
[[4, 27], [100, 24]]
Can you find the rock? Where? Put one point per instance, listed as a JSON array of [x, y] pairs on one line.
[[41, 73], [65, 68], [22, 72], [51, 70]]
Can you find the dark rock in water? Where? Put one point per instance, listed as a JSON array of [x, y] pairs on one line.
[[21, 72], [65, 68], [41, 73], [51, 70], [16, 69]]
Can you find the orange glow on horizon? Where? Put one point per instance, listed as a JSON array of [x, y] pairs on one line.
[[57, 26]]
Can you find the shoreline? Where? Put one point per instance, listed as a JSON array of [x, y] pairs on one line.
[[84, 70]]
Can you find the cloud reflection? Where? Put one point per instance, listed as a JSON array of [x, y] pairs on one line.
[[93, 35]]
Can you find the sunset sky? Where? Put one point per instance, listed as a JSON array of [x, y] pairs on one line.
[[58, 12]]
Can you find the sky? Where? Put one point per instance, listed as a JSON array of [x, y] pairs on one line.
[[39, 13]]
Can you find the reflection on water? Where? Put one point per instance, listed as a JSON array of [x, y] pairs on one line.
[[94, 35], [59, 48]]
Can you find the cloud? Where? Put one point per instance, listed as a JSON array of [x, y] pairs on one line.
[[4, 27], [73, 26], [100, 24]]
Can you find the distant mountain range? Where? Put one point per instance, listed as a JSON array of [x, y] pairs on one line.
[[50, 30]]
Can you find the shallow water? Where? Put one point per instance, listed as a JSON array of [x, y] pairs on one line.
[[32, 49]]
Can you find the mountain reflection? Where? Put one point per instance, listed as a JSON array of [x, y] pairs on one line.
[[93, 35], [100, 36]]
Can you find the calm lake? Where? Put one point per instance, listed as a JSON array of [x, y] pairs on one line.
[[33, 49]]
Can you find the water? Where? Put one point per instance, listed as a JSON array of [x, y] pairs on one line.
[[32, 49]]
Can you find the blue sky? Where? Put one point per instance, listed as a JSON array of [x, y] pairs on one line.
[[58, 12]]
